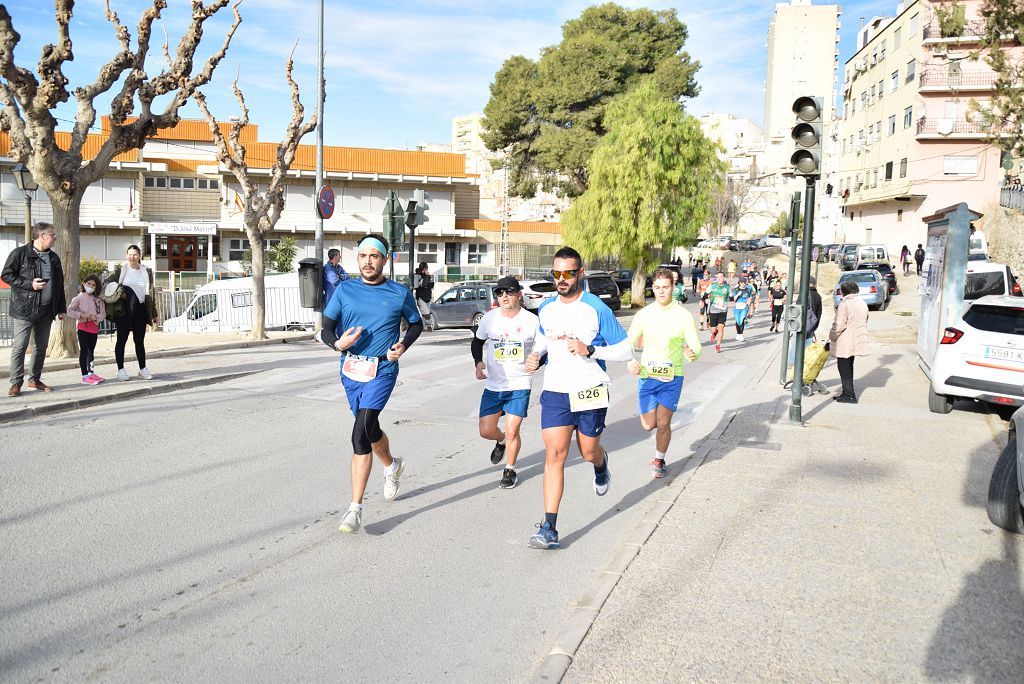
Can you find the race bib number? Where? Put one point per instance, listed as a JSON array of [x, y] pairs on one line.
[[741, 305], [360, 368], [509, 352], [661, 370], [589, 399]]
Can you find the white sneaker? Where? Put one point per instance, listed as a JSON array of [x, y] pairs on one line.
[[145, 374], [122, 374], [391, 483], [352, 521], [739, 338]]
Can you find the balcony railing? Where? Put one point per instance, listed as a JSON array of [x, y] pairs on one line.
[[942, 126], [943, 78], [974, 28]]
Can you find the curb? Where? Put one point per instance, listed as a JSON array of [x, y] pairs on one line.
[[28, 413], [556, 663], [68, 364]]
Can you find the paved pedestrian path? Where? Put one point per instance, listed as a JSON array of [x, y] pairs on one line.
[[853, 548]]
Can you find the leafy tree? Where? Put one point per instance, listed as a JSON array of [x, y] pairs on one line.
[[1003, 114], [282, 255], [91, 266], [548, 115], [63, 171], [652, 185]]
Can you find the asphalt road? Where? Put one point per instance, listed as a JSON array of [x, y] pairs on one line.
[[193, 536]]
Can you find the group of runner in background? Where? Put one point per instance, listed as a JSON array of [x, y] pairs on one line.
[[739, 285]]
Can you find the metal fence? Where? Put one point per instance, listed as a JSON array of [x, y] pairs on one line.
[[1012, 197]]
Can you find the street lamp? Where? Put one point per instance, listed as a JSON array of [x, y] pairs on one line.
[[23, 179]]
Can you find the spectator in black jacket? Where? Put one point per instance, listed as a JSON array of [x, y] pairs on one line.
[[37, 296], [814, 313], [919, 257]]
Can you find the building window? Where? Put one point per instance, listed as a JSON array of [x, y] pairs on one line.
[[892, 124], [188, 183], [238, 247], [911, 69], [477, 253], [899, 216], [881, 51], [888, 171], [846, 109], [858, 181], [914, 23], [853, 106], [427, 251], [881, 89], [176, 183], [874, 93], [960, 166], [864, 99], [161, 245], [903, 167], [908, 117], [895, 39], [894, 81], [181, 183]]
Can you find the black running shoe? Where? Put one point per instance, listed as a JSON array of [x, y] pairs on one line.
[[509, 479], [497, 453]]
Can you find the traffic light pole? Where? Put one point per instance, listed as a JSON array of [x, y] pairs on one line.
[[796, 408], [794, 227], [412, 255]]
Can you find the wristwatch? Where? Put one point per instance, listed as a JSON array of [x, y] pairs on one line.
[[590, 350]]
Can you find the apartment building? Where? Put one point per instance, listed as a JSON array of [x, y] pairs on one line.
[[174, 200], [911, 144]]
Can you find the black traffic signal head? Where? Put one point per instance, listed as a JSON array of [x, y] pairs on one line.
[[806, 159]]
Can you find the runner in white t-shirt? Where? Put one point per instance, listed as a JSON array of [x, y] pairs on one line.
[[579, 332], [503, 340]]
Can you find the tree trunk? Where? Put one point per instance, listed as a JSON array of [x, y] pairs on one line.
[[63, 338], [259, 291], [639, 289]]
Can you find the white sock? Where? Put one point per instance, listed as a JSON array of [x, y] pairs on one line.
[[502, 440], [390, 470], [660, 455], [358, 507]]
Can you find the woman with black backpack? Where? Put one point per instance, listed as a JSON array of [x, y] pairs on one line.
[[131, 297]]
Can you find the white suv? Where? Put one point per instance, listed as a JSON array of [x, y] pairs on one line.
[[981, 357]]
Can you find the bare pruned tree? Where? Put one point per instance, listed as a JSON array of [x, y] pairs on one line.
[[64, 174], [263, 210]]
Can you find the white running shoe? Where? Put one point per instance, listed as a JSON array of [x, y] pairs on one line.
[[391, 483], [739, 338], [122, 374], [145, 374], [352, 521]]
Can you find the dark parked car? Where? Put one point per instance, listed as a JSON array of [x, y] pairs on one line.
[[602, 285], [734, 245], [463, 305], [887, 273], [624, 280]]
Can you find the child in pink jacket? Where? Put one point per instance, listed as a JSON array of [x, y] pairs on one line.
[[88, 309]]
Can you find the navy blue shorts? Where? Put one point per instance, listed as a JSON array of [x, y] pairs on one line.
[[512, 402], [652, 392], [369, 395], [555, 412]]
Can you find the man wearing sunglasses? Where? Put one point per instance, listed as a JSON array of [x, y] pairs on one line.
[[503, 340], [579, 333]]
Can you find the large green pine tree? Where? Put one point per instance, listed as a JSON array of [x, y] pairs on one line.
[[653, 180], [549, 114], [1003, 114]]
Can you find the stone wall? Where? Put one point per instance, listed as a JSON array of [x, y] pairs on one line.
[[1005, 234]]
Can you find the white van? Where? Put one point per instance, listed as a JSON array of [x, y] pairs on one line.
[[871, 254], [977, 249], [226, 306]]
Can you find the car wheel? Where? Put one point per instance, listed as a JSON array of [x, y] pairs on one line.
[[476, 321], [939, 403], [1004, 509]]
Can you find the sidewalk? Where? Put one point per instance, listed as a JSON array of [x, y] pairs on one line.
[[853, 548]]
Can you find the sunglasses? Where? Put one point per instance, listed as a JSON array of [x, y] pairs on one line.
[[502, 291], [558, 275]]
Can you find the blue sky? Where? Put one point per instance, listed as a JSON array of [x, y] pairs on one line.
[[397, 72]]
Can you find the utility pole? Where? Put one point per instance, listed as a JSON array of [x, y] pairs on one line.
[[796, 408], [318, 235]]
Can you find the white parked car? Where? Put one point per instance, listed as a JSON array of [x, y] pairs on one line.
[[989, 278], [536, 291], [981, 357]]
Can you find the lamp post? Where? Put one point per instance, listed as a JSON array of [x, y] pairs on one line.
[[23, 179]]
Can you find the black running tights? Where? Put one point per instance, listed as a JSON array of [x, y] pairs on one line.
[[366, 431]]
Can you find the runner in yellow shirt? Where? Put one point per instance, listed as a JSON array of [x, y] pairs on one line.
[[667, 335]]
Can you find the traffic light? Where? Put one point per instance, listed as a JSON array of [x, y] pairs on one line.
[[416, 209], [794, 317], [394, 217], [806, 159]]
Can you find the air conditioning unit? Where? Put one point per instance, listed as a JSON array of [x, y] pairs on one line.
[[874, 60], [860, 66], [944, 126]]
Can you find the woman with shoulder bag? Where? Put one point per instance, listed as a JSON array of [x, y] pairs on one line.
[[133, 310], [849, 337]]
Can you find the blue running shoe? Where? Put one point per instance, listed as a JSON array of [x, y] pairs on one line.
[[546, 537], [602, 480]]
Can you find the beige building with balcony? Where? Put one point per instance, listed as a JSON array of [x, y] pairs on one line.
[[910, 143]]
